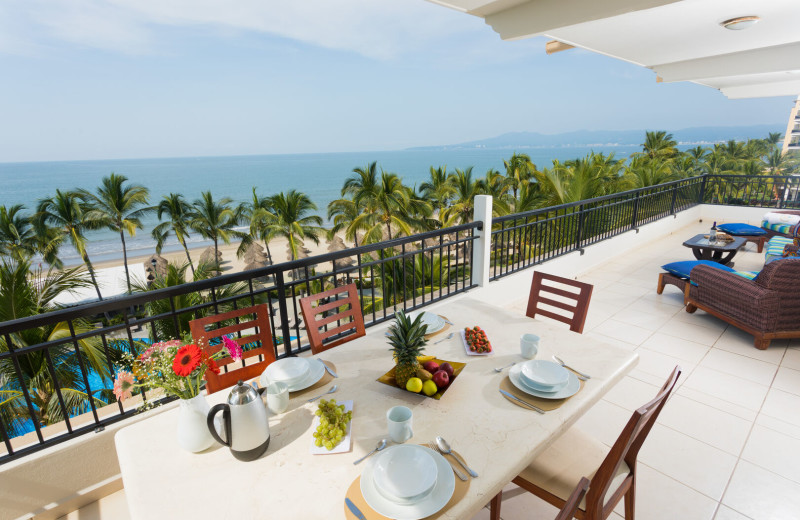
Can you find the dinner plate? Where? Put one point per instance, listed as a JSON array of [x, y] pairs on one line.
[[568, 390], [543, 375], [290, 370], [433, 502], [434, 322], [316, 369]]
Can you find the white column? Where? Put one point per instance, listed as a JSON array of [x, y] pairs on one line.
[[481, 246]]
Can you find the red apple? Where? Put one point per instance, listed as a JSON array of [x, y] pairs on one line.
[[447, 367], [431, 366], [441, 379]]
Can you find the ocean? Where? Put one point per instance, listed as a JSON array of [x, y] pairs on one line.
[[319, 175]]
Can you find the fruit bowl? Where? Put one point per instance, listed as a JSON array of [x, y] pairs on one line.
[[388, 379]]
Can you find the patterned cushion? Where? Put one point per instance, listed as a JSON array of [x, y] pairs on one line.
[[775, 248], [683, 269], [784, 229], [741, 229]]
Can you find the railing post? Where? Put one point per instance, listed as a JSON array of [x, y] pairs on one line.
[[703, 189], [482, 245], [635, 215], [674, 198], [283, 310], [580, 229]]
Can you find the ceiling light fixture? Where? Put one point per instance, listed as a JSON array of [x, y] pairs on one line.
[[740, 23]]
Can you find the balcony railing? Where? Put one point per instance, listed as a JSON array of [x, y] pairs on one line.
[[404, 273], [407, 273]]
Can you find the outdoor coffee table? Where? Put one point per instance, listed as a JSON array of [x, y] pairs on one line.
[[719, 251]]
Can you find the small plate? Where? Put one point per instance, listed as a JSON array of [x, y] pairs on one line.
[[404, 473], [342, 447], [288, 370], [432, 503], [316, 369], [434, 322], [568, 390], [544, 376], [468, 351]]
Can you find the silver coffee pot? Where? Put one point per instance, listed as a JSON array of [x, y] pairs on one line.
[[244, 423]]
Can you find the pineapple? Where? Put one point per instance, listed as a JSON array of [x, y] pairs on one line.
[[407, 339]]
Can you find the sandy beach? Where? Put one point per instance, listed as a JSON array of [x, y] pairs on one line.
[[230, 262]]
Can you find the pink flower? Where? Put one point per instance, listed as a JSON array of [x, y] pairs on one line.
[[123, 385], [161, 346], [233, 348]]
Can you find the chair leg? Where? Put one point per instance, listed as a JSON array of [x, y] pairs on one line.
[[761, 343], [630, 501], [660, 286], [494, 506], [690, 308]]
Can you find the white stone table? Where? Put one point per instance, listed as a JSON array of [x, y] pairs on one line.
[[496, 437]]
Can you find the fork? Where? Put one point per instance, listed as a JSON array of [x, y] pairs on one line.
[[434, 447], [444, 339], [580, 374], [500, 369]]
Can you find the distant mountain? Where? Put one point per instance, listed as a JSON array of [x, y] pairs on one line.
[[700, 135]]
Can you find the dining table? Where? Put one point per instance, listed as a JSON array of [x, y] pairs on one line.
[[496, 437]]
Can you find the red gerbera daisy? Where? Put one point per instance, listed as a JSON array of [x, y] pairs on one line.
[[186, 360], [212, 365]]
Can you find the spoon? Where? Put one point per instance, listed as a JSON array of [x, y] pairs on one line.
[[444, 339], [332, 390], [580, 374], [500, 369], [442, 444], [379, 447]]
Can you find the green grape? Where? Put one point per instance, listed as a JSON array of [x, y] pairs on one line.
[[318, 443], [318, 413]]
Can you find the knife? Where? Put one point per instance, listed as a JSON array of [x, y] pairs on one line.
[[354, 509], [329, 369], [448, 321], [514, 397]]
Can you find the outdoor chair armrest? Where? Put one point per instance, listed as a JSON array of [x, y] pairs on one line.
[[710, 282], [735, 296]]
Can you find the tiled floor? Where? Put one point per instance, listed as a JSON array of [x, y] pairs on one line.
[[727, 445]]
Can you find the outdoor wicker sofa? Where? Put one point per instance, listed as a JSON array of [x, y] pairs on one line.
[[767, 307]]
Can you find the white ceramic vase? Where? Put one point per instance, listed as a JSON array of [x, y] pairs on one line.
[[193, 434]]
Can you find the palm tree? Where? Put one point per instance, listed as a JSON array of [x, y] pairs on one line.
[[779, 164], [519, 171], [119, 208], [178, 212], [648, 172], [344, 213], [290, 217], [659, 144], [438, 190], [215, 220], [21, 239], [466, 188], [22, 294], [68, 214], [387, 203], [255, 212]]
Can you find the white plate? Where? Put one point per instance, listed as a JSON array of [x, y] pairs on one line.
[[468, 351], [432, 503], [404, 474], [343, 446], [289, 370], [543, 375], [315, 372], [568, 390], [434, 322]]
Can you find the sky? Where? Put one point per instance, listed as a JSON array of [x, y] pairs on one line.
[[107, 79]]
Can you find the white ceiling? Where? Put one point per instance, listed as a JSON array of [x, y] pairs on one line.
[[680, 40]]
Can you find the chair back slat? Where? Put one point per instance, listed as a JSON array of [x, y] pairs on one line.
[[578, 311], [626, 448], [330, 302], [262, 335]]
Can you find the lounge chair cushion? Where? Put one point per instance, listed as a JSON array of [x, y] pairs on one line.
[[741, 229], [684, 268], [775, 248]]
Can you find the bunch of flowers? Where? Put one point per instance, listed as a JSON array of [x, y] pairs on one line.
[[176, 366]]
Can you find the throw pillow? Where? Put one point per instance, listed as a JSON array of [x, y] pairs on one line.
[[741, 229]]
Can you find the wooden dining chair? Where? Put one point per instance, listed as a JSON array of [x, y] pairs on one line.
[[575, 455], [225, 325], [330, 305], [576, 316]]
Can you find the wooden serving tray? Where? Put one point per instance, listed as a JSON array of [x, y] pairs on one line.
[[388, 379]]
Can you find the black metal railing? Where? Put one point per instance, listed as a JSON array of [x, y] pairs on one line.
[[753, 190], [525, 239], [403, 273]]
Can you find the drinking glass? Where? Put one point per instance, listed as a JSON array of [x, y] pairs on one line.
[[398, 419], [278, 397], [529, 345]]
